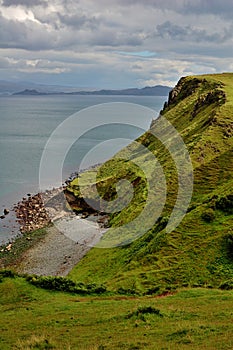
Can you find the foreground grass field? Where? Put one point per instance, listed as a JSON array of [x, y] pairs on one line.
[[33, 318]]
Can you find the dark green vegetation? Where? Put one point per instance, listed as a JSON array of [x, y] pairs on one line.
[[65, 285], [34, 318], [199, 252]]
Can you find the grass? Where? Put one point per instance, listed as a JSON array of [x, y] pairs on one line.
[[33, 318], [187, 265], [195, 253]]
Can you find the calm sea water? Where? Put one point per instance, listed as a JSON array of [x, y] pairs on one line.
[[25, 126]]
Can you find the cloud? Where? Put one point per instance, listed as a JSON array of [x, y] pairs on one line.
[[222, 8], [189, 33], [114, 43], [26, 3], [33, 66], [78, 21], [24, 35]]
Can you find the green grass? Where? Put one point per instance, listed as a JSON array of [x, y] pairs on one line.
[[195, 253], [33, 318], [190, 262]]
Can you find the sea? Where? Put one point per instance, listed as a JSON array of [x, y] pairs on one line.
[[26, 125]]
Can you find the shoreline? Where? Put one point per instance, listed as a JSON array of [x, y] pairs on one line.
[[52, 237], [11, 222], [55, 254], [36, 209]]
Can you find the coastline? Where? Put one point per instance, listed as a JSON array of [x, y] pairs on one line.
[[52, 238], [55, 255], [46, 251]]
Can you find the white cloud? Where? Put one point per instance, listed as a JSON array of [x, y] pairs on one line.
[[115, 43]]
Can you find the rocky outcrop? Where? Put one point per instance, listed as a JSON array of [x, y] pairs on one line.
[[31, 213], [186, 87], [215, 96]]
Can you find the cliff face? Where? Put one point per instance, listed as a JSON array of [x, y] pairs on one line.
[[186, 87], [199, 251]]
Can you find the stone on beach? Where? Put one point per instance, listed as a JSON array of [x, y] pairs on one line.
[[6, 211]]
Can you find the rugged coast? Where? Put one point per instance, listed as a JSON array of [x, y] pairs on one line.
[[55, 252]]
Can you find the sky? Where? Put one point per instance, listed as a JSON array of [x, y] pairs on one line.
[[114, 43]]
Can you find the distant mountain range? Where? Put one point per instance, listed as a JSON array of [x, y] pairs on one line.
[[157, 90], [10, 87]]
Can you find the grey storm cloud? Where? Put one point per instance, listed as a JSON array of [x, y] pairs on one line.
[[222, 8], [113, 39], [11, 32], [26, 3], [24, 35], [177, 32], [30, 35], [101, 38], [78, 21]]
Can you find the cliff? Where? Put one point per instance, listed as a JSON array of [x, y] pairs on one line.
[[199, 251]]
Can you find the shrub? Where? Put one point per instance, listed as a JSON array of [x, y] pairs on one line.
[[229, 245], [65, 285], [225, 203], [145, 310], [126, 291], [153, 290], [52, 283], [7, 273], [208, 215], [162, 221], [227, 285]]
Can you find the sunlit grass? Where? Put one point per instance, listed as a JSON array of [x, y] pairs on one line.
[[32, 318]]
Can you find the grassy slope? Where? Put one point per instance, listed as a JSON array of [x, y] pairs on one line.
[[198, 252], [32, 318]]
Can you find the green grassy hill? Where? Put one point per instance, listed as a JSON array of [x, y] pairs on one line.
[[193, 259], [199, 252]]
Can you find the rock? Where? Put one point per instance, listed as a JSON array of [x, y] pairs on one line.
[[6, 211], [2, 217], [70, 197], [8, 248]]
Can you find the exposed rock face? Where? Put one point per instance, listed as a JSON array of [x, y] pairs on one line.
[[79, 204], [185, 88], [214, 96]]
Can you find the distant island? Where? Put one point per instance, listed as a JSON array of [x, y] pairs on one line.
[[30, 92], [157, 90]]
